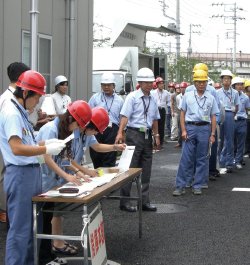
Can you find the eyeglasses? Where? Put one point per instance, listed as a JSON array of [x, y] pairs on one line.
[[108, 85]]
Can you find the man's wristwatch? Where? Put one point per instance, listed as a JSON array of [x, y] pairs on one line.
[[213, 134]]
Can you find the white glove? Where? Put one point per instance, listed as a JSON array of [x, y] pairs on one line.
[[55, 148], [53, 141], [235, 118]]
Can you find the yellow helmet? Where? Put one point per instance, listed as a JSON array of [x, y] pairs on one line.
[[244, 80], [200, 66], [200, 75], [247, 83], [233, 76]]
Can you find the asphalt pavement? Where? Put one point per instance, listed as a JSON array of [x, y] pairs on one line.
[[207, 229]]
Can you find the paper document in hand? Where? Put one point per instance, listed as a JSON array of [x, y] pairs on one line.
[[126, 157], [48, 106], [69, 138]]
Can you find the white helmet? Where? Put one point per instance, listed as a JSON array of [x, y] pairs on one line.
[[226, 73], [145, 74], [237, 80], [108, 78], [59, 79], [210, 82]]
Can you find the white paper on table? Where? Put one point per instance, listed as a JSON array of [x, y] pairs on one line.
[[48, 106], [69, 138], [126, 157]]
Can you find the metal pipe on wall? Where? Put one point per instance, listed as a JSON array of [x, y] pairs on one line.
[[72, 70], [33, 34]]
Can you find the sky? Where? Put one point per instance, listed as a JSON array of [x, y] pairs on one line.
[[208, 37]]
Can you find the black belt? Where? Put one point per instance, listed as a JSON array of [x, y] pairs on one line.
[[228, 111], [29, 165], [198, 123], [240, 119], [138, 129]]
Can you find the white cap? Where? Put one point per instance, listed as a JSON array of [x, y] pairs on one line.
[[145, 74], [237, 80], [226, 73], [108, 78], [59, 79]]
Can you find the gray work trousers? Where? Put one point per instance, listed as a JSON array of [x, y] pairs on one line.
[[142, 158]]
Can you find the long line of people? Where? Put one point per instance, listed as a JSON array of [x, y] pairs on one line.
[[209, 123]]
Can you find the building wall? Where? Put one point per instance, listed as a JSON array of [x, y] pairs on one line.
[[53, 20]]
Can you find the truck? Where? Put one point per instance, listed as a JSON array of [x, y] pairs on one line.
[[123, 62], [125, 56]]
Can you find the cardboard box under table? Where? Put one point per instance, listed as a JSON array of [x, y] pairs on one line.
[[95, 197]]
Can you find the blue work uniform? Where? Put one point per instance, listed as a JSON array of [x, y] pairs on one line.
[[22, 181], [230, 99], [240, 127], [211, 162], [197, 121], [113, 105], [141, 111], [79, 145], [49, 178]]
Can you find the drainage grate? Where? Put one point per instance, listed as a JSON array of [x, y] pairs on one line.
[[170, 208]]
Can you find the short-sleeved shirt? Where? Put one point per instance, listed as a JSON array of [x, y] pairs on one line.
[[162, 97], [6, 96], [14, 123], [178, 100], [211, 90], [112, 105], [140, 110], [244, 104], [229, 98], [196, 108], [61, 102]]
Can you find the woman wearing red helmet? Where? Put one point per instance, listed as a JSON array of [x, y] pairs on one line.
[[78, 116], [54, 171], [22, 158]]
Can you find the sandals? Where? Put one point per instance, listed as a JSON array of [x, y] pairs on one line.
[[71, 246], [65, 250], [58, 261]]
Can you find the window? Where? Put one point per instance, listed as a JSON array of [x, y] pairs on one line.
[[44, 55]]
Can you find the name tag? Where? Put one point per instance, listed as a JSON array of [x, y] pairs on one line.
[[205, 118], [110, 125], [40, 159]]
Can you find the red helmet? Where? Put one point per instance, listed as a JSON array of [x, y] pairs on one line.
[[32, 80], [171, 84], [100, 118], [154, 85], [159, 79], [217, 85], [138, 86], [183, 84], [81, 112], [177, 86], [188, 84]]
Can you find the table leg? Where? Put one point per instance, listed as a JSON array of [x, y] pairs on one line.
[[35, 233], [85, 222]]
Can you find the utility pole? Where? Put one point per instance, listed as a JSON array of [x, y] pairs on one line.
[[190, 31], [178, 38], [235, 18]]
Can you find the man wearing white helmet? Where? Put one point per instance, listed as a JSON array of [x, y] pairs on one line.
[[112, 103], [140, 114], [240, 128], [230, 99], [61, 99]]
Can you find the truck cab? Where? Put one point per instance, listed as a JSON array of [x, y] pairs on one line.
[[124, 82]]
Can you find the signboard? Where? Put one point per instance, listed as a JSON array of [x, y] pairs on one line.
[[97, 241]]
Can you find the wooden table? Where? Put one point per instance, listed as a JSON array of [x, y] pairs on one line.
[[96, 196]]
